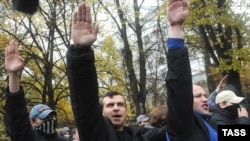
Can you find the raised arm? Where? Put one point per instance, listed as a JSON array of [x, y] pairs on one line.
[[179, 79], [220, 86], [13, 64], [16, 114], [82, 76], [177, 12], [82, 30]]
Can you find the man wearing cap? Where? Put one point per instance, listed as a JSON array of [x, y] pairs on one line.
[[228, 110], [41, 124], [143, 123], [142, 120]]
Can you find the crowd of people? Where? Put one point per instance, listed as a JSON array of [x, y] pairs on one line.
[[190, 115]]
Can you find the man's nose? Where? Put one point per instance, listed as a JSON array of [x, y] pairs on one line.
[[116, 107], [204, 98]]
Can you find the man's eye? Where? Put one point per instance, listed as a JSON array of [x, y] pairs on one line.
[[121, 104], [110, 105]]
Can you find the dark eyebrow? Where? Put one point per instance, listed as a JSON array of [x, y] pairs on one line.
[[121, 103], [110, 103]]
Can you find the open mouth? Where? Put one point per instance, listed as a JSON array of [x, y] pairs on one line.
[[205, 106], [116, 116]]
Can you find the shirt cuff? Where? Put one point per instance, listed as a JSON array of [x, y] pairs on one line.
[[175, 43]]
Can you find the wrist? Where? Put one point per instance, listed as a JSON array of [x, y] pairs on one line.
[[13, 74], [175, 31]]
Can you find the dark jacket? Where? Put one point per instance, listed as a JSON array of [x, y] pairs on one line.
[[144, 129], [82, 77], [156, 134], [18, 121], [182, 123], [224, 117]]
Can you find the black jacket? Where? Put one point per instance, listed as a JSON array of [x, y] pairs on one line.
[[182, 123], [224, 117], [82, 77], [156, 134], [18, 121]]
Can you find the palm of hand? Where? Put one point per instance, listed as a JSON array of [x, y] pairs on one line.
[[13, 63], [83, 34]]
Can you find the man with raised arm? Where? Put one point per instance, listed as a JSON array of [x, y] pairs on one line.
[[95, 121], [38, 125], [187, 103]]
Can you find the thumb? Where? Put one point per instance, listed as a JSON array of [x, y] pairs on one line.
[[96, 29]]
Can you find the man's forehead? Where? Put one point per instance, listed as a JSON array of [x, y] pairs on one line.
[[198, 90], [114, 99]]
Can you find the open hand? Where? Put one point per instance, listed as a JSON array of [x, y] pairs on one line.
[[13, 62], [83, 32]]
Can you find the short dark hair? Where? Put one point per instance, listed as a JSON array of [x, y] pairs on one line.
[[111, 94]]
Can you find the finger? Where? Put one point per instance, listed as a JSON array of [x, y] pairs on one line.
[[169, 1], [74, 17], [15, 46], [185, 4], [21, 58], [239, 110], [95, 29], [243, 109], [225, 77], [7, 51], [81, 12], [11, 46], [88, 15]]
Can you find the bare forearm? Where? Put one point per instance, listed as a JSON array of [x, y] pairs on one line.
[[14, 85]]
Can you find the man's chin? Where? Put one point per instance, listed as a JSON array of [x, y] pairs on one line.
[[206, 112], [116, 122]]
